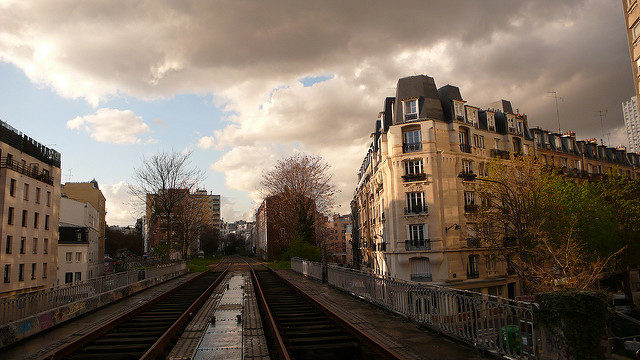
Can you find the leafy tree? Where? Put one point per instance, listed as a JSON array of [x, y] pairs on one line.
[[210, 238], [116, 240]]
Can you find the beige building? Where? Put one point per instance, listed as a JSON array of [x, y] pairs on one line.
[[336, 237], [631, 17], [78, 243], [89, 192], [29, 205]]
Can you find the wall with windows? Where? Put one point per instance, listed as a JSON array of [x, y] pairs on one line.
[[72, 263], [29, 203]]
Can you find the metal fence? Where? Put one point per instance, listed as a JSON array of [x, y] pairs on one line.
[[24, 305], [307, 268], [498, 325]]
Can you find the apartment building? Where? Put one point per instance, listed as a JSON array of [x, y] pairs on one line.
[[631, 12], [29, 204], [632, 123], [78, 244], [336, 237], [413, 213], [89, 192]]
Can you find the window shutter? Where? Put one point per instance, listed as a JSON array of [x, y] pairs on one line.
[[425, 232]]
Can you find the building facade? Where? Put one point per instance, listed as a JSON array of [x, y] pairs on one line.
[[631, 12], [78, 244], [270, 239], [89, 192], [29, 212], [632, 123], [336, 237]]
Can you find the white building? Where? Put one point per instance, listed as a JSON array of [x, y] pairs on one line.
[[78, 244], [632, 123]]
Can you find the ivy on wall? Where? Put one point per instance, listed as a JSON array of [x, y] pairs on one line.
[[579, 316]]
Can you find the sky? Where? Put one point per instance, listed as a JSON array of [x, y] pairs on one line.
[[241, 84]]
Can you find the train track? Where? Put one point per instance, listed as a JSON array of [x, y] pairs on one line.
[[146, 331], [299, 327]]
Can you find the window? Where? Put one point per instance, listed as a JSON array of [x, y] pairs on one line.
[[636, 30], [469, 198], [478, 141], [482, 169], [8, 245], [12, 187], [48, 198], [420, 269], [417, 232], [472, 115], [68, 257], [413, 167], [412, 141], [21, 272], [10, 216], [37, 195], [490, 261], [7, 274], [510, 122], [23, 244], [35, 220], [458, 109], [472, 268], [33, 271], [491, 121], [68, 278], [78, 256], [45, 248], [46, 222], [26, 192], [410, 110], [415, 202], [78, 276], [519, 127], [35, 245], [467, 166], [24, 218], [44, 270]]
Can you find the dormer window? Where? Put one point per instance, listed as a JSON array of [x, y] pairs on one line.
[[472, 115], [510, 122], [519, 127], [558, 143], [410, 110], [458, 107], [491, 121]]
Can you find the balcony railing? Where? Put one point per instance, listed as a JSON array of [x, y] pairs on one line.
[[27, 170], [502, 154], [473, 274], [417, 245], [421, 277], [414, 177], [471, 208], [466, 148], [411, 147], [415, 210], [381, 246]]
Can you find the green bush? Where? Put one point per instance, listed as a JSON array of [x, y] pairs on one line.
[[301, 249], [580, 316]]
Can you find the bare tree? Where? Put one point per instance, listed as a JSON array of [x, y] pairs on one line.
[[305, 189], [163, 183]]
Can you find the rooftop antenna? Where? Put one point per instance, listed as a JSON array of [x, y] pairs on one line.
[[556, 97], [603, 114], [69, 176]]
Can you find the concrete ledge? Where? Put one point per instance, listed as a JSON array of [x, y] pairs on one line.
[[23, 328]]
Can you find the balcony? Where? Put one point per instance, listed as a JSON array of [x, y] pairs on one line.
[[26, 170], [471, 208], [411, 147], [421, 277], [473, 274], [466, 148], [502, 154], [473, 243], [414, 177], [416, 210], [417, 245]]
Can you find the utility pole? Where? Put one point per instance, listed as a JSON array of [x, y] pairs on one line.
[[603, 114], [556, 97]]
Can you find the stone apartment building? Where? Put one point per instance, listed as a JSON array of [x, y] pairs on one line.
[[413, 215], [336, 237], [78, 245], [29, 212]]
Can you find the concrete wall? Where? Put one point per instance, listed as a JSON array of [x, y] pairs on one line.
[[32, 325]]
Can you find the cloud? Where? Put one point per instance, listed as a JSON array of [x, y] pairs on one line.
[[121, 208], [112, 126], [252, 56]]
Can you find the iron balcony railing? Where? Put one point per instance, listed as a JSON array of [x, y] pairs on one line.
[[502, 154], [421, 277], [417, 245], [27, 170], [473, 274], [465, 148], [471, 208], [414, 177], [27, 304], [415, 210], [473, 242], [411, 147]]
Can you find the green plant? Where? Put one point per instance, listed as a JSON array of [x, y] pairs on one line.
[[578, 316], [302, 249]]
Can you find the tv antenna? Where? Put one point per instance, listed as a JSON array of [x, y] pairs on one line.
[[603, 113], [555, 96], [69, 175]]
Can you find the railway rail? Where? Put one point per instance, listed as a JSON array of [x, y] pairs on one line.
[[146, 331], [299, 327]]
